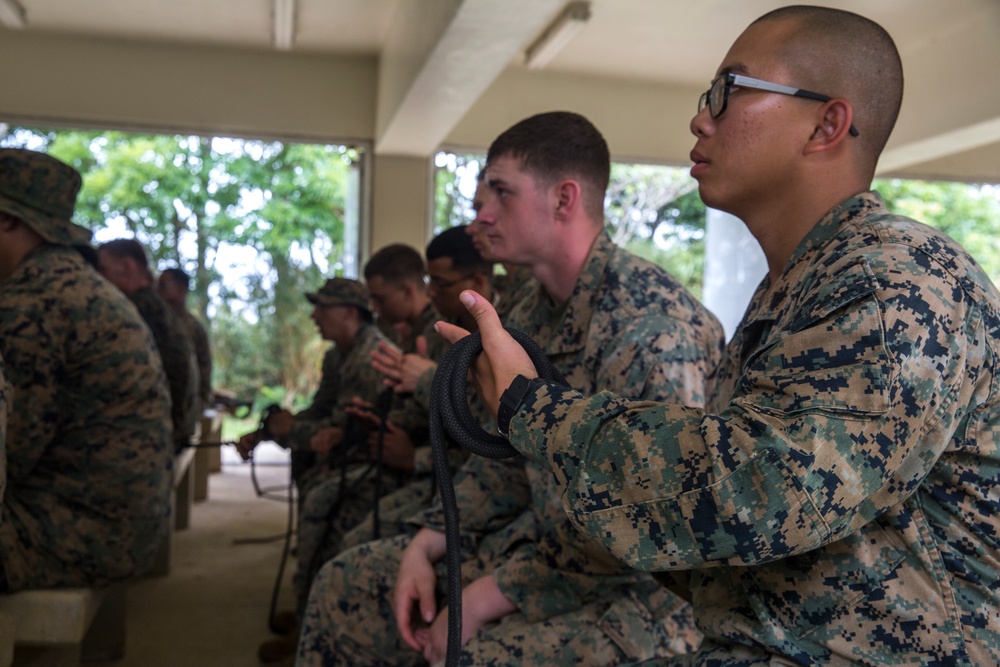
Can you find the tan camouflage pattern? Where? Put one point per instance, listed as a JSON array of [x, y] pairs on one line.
[[88, 440], [179, 361], [628, 326], [838, 501]]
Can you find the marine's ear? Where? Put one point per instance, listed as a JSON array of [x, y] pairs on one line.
[[833, 125]]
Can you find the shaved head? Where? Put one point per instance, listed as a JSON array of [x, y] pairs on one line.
[[847, 56]]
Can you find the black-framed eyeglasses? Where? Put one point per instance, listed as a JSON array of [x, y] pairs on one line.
[[717, 96], [439, 284]]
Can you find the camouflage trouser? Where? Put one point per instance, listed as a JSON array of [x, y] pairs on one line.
[[730, 656], [349, 621], [394, 510], [326, 516]]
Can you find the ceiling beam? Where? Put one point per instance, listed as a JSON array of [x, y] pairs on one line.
[[434, 68], [12, 14], [284, 24]]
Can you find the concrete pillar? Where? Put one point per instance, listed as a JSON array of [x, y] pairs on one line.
[[402, 200], [734, 266]]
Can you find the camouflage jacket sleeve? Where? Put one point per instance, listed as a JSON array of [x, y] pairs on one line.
[[846, 389], [344, 376]]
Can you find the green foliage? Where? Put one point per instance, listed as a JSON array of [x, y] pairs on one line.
[[192, 199], [970, 214], [452, 206]]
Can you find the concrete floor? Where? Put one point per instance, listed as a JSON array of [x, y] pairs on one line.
[[212, 609]]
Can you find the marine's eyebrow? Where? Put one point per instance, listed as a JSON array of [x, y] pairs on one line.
[[494, 182], [738, 68]]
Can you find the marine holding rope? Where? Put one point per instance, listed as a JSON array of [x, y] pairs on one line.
[[836, 501], [536, 591]]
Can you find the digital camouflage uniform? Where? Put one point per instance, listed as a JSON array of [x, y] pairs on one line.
[[838, 502], [179, 361], [630, 327], [345, 374], [202, 354], [397, 508], [402, 493], [88, 441], [511, 288]]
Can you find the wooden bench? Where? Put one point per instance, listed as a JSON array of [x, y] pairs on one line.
[[61, 627], [180, 508]]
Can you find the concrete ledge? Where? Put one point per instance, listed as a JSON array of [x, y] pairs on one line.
[[55, 616], [62, 627]]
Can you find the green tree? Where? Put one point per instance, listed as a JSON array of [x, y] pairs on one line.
[[970, 214], [452, 206], [655, 212], [189, 199]]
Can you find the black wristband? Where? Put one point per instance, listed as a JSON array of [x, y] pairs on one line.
[[510, 401]]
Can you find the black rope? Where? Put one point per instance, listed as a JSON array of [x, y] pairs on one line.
[[354, 437], [450, 414], [272, 611], [382, 406]]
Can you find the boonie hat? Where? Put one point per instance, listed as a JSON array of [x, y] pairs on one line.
[[41, 191], [340, 292]]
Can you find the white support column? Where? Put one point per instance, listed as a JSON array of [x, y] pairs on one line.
[[734, 266]]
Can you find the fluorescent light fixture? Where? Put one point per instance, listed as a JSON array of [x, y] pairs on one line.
[[284, 24], [559, 33], [12, 14]]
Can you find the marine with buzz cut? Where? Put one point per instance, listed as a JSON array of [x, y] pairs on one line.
[[836, 502]]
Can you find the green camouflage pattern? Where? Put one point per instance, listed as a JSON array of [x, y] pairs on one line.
[[40, 191], [341, 292], [838, 501], [628, 326], [202, 353], [322, 520], [511, 288], [177, 354], [344, 374], [394, 512], [88, 439]]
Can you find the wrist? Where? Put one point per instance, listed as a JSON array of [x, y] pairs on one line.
[[429, 542], [510, 402]]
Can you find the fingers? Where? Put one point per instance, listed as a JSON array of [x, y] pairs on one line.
[[386, 360], [428, 606], [450, 332], [422, 347], [361, 403], [481, 308], [403, 624]]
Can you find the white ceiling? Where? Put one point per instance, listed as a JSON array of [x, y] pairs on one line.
[[438, 58]]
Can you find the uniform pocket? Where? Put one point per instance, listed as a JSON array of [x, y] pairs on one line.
[[834, 358]]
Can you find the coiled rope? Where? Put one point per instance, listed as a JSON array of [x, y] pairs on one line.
[[450, 415]]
